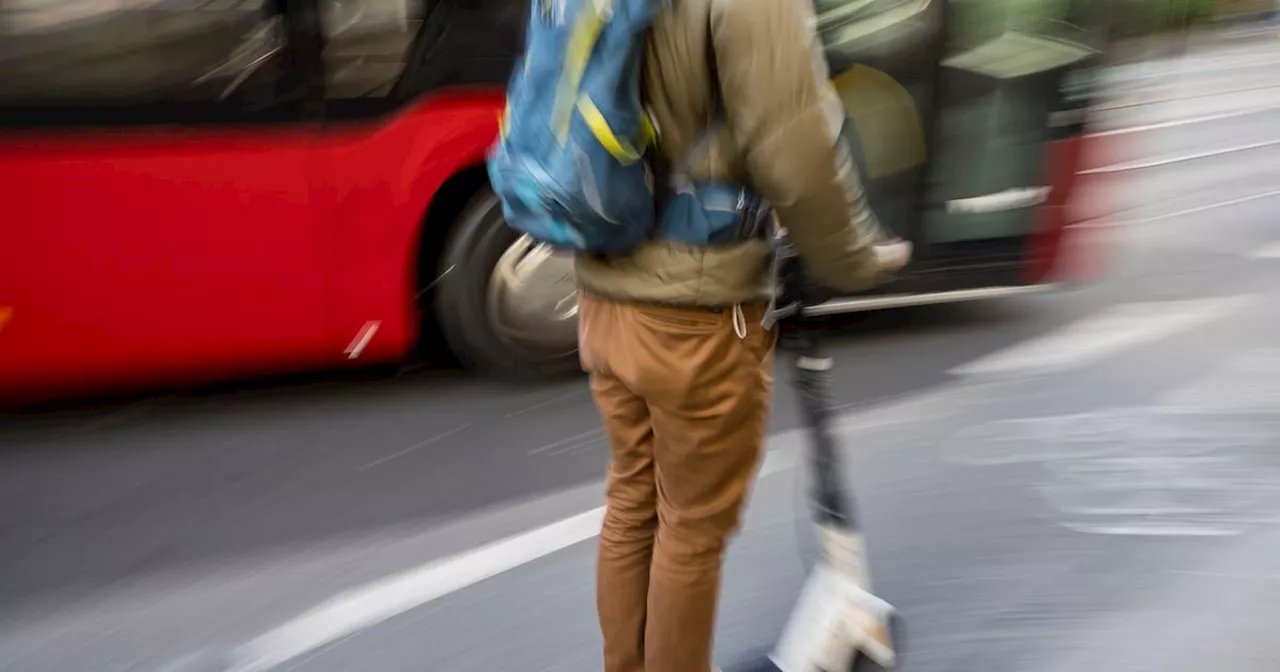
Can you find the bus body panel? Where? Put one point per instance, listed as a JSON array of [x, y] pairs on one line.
[[275, 252], [379, 178], [147, 253], [1090, 214]]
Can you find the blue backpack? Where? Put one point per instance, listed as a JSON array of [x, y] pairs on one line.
[[570, 164]]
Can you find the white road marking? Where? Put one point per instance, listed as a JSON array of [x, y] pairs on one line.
[[1165, 69], [1152, 102], [547, 402], [371, 604], [938, 402], [577, 442], [374, 603], [1187, 211], [1105, 334], [1153, 530], [1196, 621], [1191, 465], [1145, 164], [1247, 384], [1224, 575], [1271, 251], [416, 446], [1187, 121]]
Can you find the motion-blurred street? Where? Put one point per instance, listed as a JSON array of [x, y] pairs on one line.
[[1086, 479]]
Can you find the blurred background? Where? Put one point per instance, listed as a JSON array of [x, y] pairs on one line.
[[283, 392]]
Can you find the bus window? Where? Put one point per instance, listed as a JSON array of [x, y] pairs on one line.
[[367, 44], [382, 54], [881, 55], [845, 22], [90, 63]]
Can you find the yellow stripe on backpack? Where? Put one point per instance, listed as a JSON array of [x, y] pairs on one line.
[[617, 147], [582, 41]]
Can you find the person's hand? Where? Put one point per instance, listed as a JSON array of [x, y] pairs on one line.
[[892, 255]]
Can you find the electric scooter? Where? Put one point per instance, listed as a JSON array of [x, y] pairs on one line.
[[838, 625]]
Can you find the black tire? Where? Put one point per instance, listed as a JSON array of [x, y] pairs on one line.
[[477, 240]]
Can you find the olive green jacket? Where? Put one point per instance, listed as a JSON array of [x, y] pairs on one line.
[[781, 124]]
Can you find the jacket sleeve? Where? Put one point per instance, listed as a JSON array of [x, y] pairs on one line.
[[775, 92]]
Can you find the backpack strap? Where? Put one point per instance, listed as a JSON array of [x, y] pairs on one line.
[[680, 178], [702, 212]]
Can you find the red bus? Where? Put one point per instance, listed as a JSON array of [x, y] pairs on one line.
[[201, 189]]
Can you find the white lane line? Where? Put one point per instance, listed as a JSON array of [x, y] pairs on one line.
[[1153, 530], [373, 603], [1103, 223], [1164, 69], [546, 402], [416, 446], [1146, 164], [1151, 102], [1187, 121], [577, 442], [1271, 251], [1107, 333], [1251, 576]]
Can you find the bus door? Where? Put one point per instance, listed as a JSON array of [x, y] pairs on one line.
[[883, 58], [1013, 84], [154, 158]]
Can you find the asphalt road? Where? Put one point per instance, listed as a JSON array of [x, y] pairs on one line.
[[1084, 480]]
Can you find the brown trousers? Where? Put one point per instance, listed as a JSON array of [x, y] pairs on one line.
[[685, 401]]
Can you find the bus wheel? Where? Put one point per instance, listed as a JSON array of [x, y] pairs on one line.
[[505, 304]]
